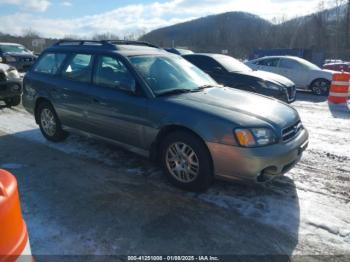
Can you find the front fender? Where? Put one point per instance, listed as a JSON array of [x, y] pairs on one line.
[[209, 127]]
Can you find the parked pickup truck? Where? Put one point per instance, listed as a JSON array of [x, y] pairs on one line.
[[16, 55]]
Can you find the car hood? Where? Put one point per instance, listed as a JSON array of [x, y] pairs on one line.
[[269, 77], [241, 107], [25, 55], [272, 77], [4, 67], [324, 73]]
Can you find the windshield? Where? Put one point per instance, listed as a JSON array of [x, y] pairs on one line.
[[231, 64], [167, 73], [13, 49]]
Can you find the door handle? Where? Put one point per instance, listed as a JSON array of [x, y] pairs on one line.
[[97, 101]]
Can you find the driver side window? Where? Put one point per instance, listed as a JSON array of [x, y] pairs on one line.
[[271, 62], [111, 72]]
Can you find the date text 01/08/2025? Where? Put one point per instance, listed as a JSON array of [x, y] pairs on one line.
[[173, 258]]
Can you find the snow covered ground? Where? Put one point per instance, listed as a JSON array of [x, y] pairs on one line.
[[311, 203]]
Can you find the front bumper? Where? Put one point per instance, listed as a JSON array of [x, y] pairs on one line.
[[233, 162], [10, 89]]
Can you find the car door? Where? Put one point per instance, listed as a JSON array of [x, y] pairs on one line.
[[116, 112], [71, 92], [295, 71]]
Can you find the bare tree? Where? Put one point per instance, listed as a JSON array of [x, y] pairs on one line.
[[105, 36]]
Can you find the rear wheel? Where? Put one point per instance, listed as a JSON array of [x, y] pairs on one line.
[[186, 161], [49, 123], [320, 87], [13, 101]]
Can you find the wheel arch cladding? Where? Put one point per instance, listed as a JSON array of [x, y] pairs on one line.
[[168, 129], [38, 102]]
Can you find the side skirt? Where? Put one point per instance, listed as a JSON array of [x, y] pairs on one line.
[[133, 149]]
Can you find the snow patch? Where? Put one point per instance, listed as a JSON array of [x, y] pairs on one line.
[[22, 125]]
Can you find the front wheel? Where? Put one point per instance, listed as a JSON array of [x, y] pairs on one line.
[[49, 123], [320, 87], [186, 161], [13, 101]]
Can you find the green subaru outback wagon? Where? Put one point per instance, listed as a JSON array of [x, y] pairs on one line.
[[157, 104]]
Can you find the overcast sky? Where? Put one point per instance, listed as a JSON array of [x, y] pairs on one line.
[[59, 18]]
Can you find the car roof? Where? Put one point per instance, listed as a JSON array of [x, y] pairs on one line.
[[280, 56], [338, 63], [208, 54], [14, 44], [123, 47], [201, 54], [179, 51]]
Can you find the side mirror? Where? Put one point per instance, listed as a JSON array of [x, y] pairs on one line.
[[128, 85]]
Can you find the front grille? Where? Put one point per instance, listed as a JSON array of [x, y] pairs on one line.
[[26, 59], [291, 92], [291, 131]]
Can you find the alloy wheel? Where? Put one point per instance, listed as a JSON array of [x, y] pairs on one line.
[[320, 87], [182, 162], [48, 122]]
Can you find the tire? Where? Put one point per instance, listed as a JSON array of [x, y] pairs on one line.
[[320, 87], [49, 123], [13, 101], [192, 172]]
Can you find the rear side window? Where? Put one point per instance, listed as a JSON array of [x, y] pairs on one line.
[[111, 72], [269, 62], [79, 68], [290, 64], [49, 63]]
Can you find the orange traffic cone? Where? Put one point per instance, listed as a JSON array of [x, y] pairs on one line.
[[339, 91], [14, 241]]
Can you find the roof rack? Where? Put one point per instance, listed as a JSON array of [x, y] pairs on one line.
[[130, 42], [103, 43]]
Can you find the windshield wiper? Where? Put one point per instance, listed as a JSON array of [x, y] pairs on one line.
[[178, 91], [205, 86]]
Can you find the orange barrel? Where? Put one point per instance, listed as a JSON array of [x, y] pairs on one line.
[[339, 91], [14, 241]]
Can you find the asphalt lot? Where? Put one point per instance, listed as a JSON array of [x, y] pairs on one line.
[[87, 197]]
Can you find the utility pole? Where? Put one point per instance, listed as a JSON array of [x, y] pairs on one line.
[[347, 27]]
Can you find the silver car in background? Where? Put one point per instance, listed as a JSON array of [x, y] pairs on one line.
[[304, 74]]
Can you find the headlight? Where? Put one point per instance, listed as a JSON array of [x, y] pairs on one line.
[[12, 74], [269, 85], [15, 88], [252, 137], [10, 58]]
